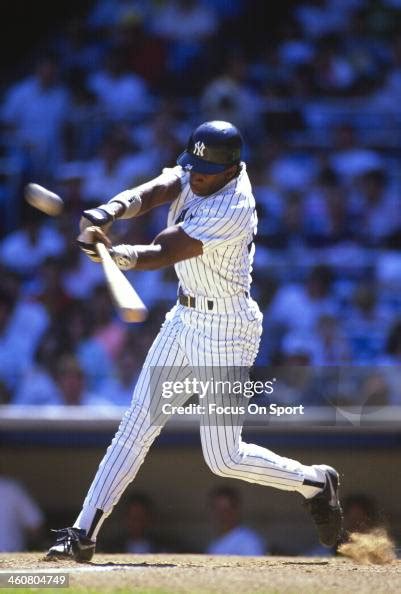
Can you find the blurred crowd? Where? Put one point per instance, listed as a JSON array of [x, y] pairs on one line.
[[111, 100]]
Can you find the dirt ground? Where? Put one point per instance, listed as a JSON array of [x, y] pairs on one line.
[[202, 574]]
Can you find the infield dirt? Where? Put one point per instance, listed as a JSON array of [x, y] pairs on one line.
[[202, 574]]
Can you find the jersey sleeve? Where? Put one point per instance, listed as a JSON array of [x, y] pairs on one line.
[[217, 223]]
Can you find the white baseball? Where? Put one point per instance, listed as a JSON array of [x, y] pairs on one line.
[[43, 199]]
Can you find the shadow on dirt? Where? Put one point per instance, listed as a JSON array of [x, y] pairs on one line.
[[305, 563], [131, 565]]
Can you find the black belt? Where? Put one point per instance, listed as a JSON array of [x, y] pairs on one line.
[[190, 301]]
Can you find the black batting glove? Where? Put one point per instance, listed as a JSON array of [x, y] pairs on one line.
[[98, 216], [87, 240], [102, 215], [90, 250]]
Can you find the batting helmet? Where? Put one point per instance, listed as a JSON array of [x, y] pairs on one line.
[[212, 148]]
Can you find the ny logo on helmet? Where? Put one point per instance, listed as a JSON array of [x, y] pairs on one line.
[[199, 149]]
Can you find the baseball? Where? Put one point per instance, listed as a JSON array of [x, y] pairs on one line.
[[43, 199]]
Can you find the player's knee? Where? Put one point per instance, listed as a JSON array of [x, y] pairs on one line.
[[212, 463], [220, 467]]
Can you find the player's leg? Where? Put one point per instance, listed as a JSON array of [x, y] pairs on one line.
[[221, 426], [138, 429], [227, 346], [229, 456]]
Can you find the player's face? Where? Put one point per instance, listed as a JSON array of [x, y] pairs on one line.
[[203, 184]]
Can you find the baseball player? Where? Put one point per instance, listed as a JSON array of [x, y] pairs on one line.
[[215, 324]]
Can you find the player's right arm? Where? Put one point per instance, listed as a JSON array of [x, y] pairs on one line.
[[136, 201]]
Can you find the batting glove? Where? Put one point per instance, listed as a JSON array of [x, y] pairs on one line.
[[124, 205], [101, 215], [88, 239], [125, 256]]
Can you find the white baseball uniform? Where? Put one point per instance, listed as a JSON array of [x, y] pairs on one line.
[[219, 328]]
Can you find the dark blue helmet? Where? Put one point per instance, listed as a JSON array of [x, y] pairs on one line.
[[212, 148]]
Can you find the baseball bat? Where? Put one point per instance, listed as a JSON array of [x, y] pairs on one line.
[[129, 305]]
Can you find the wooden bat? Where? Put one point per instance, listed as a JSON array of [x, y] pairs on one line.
[[129, 305]]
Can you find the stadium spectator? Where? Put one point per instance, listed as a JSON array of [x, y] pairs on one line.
[[233, 537], [105, 15], [145, 55], [367, 324], [333, 73], [374, 391], [108, 331], [186, 26], [138, 531], [68, 179], [389, 363], [361, 513], [185, 21], [118, 166], [37, 384], [326, 217], [118, 388], [36, 241], [66, 386], [294, 49], [229, 97], [298, 306], [5, 393], [22, 324], [393, 344], [320, 17], [76, 332], [70, 381], [80, 276], [330, 344], [84, 123], [375, 208], [77, 49], [348, 158], [49, 290], [35, 109], [21, 519], [120, 93], [300, 381], [292, 171]]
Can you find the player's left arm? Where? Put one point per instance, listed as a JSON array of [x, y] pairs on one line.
[[212, 225], [136, 201], [169, 247]]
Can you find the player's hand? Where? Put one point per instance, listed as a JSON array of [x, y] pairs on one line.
[[88, 239], [101, 216], [125, 256]]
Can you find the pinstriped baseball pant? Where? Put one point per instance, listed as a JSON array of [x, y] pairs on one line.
[[191, 343]]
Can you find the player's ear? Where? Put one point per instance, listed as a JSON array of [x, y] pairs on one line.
[[231, 171]]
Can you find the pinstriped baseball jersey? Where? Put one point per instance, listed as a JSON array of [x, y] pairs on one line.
[[225, 223]]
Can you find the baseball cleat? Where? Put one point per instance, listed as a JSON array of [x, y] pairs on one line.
[[325, 509], [72, 543]]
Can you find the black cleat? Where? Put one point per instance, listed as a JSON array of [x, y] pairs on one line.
[[325, 509], [72, 543]]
